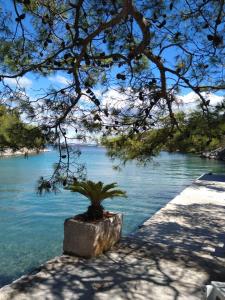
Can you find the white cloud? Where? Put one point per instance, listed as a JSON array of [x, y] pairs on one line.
[[115, 99], [59, 79], [193, 98], [20, 81]]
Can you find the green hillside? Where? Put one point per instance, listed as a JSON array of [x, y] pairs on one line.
[[15, 134]]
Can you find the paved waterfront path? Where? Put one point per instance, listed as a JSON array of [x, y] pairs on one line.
[[171, 257]]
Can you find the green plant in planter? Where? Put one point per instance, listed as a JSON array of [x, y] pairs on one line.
[[96, 192]]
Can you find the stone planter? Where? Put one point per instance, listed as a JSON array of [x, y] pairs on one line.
[[88, 239]]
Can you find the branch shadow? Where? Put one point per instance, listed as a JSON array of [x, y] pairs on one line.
[[209, 185], [172, 257]]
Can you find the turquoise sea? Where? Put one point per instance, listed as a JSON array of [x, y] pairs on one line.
[[31, 226]]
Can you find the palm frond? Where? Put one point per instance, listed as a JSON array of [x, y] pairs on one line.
[[80, 191], [96, 192], [109, 186], [113, 194]]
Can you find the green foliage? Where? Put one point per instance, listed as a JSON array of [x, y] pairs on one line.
[[96, 192], [15, 134], [195, 133], [138, 146]]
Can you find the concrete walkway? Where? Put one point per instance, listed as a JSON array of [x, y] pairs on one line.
[[171, 257]]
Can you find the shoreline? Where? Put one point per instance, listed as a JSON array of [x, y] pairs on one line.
[[22, 152]]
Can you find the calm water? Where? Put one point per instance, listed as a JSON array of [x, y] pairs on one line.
[[31, 227]]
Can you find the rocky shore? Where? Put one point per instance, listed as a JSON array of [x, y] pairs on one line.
[[23, 151], [218, 154]]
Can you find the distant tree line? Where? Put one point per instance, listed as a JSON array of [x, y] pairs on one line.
[[15, 134], [194, 134]]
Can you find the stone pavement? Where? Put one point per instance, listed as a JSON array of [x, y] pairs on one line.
[[171, 257]]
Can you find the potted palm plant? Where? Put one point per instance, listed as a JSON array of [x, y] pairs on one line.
[[95, 231]]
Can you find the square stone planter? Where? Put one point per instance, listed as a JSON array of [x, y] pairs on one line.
[[88, 239]]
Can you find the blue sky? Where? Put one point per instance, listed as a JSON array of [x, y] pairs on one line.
[[34, 84]]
